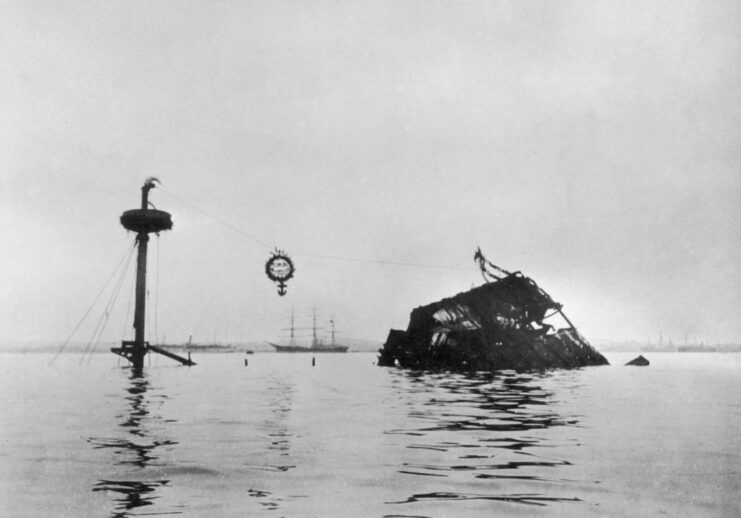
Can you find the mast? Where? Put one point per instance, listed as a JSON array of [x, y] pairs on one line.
[[313, 342], [143, 221], [142, 239]]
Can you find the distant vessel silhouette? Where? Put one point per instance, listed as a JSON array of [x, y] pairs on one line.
[[317, 345], [695, 349], [207, 347]]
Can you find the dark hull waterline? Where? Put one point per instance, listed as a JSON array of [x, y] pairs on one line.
[[309, 349]]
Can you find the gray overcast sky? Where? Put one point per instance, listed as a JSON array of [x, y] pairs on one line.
[[593, 145]]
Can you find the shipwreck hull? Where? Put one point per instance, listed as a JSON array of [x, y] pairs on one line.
[[500, 325]]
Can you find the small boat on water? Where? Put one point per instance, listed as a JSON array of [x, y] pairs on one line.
[[317, 345]]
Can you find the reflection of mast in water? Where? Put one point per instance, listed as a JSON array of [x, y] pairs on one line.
[[280, 403], [137, 448], [280, 395]]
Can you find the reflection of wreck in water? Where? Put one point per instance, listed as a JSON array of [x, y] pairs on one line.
[[499, 325], [136, 449], [486, 427]]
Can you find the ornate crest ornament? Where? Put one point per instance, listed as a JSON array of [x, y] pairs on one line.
[[279, 268]]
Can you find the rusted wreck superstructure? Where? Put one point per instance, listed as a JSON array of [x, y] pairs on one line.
[[502, 324]]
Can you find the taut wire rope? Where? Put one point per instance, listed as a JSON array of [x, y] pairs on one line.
[[128, 311], [157, 293], [303, 254], [103, 320], [128, 252]]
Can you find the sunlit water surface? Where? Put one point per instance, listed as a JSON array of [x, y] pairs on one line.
[[280, 437]]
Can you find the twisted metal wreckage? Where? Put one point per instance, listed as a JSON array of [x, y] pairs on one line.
[[499, 325]]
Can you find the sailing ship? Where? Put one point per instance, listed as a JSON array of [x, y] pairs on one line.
[[317, 345]]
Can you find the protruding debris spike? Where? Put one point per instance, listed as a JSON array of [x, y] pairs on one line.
[[487, 266], [185, 361]]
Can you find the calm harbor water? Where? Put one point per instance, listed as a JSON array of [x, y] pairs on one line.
[[346, 438]]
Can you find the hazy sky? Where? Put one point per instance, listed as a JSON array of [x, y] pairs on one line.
[[593, 145]]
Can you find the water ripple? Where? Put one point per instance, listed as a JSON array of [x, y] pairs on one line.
[[138, 448], [484, 427], [529, 499], [134, 494]]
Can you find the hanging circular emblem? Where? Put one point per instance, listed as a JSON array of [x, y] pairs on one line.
[[279, 268]]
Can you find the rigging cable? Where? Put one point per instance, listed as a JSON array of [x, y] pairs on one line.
[[128, 311], [87, 312], [109, 308], [317, 256], [157, 293], [218, 220], [103, 320], [148, 319], [379, 261]]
